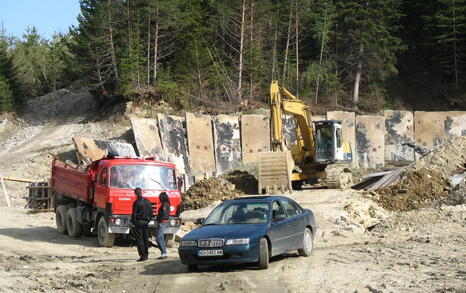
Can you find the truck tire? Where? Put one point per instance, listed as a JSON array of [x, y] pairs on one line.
[[60, 218], [75, 228], [105, 238], [307, 243], [263, 254]]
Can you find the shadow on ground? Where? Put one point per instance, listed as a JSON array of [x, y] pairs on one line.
[[173, 266]]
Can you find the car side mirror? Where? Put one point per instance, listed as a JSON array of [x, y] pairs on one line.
[[200, 221], [279, 217]]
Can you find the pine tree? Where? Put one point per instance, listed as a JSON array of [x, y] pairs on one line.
[[368, 36], [451, 38]]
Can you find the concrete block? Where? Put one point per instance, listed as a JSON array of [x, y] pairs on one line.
[[255, 135], [455, 124], [348, 120], [370, 141], [227, 142], [147, 137], [174, 142], [399, 128], [429, 128], [200, 143]]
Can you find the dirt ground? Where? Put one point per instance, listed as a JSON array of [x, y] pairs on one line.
[[359, 246], [418, 251]]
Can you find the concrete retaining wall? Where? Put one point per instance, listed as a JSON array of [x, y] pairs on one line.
[[220, 143], [399, 128], [370, 139]]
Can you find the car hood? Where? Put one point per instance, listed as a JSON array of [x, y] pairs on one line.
[[227, 231]]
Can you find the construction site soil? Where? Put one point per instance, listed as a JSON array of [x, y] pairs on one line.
[[426, 181], [360, 246]]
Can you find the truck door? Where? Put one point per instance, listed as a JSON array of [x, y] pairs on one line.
[[101, 191]]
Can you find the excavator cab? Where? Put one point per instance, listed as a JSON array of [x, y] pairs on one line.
[[329, 145]]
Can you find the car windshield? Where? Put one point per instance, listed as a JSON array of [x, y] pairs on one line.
[[143, 176], [239, 213]]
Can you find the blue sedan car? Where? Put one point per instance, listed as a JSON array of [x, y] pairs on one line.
[[249, 230]]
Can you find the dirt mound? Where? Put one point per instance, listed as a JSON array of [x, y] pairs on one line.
[[423, 183], [206, 191], [445, 159], [417, 189], [243, 181]]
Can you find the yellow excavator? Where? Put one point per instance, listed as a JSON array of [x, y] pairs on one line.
[[319, 152]]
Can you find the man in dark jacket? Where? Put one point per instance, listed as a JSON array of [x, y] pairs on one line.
[[142, 213], [162, 220]]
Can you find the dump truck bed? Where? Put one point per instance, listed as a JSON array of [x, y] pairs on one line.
[[70, 182]]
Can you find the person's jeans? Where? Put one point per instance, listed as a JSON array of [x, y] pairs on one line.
[[160, 238]]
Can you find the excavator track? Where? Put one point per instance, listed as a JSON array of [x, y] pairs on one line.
[[338, 178]]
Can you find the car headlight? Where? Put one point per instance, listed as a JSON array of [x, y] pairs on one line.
[[188, 243], [118, 222], [172, 222], [238, 241]]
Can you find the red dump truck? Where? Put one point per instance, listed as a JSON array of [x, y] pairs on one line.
[[99, 199]]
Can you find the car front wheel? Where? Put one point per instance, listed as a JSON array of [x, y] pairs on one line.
[[263, 254], [307, 243]]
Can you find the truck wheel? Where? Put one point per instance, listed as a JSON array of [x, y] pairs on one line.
[[263, 254], [105, 238], [60, 218], [169, 240], [307, 243], [74, 227]]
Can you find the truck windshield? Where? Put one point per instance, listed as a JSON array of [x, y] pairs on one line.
[[143, 176], [239, 213]]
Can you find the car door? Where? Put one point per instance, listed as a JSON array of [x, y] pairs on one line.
[[297, 222], [280, 233]]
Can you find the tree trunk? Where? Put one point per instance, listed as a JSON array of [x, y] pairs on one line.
[[297, 50], [274, 54], [199, 77], [288, 36], [250, 49], [357, 79], [148, 48], [112, 44], [455, 56], [156, 45], [241, 47], [320, 57]]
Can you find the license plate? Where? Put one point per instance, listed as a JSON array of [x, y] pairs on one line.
[[210, 252], [151, 223]]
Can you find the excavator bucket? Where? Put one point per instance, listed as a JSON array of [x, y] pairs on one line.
[[275, 170]]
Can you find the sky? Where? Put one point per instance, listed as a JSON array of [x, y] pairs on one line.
[[48, 16]]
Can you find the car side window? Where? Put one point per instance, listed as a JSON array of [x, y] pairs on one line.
[[277, 209], [291, 208]]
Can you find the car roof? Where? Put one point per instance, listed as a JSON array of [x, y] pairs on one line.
[[264, 198]]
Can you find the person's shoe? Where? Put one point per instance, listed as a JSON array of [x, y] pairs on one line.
[[163, 256], [142, 259]]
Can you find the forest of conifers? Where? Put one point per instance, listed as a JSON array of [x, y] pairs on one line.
[[367, 55]]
